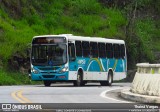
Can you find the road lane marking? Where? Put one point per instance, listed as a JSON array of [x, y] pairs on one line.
[[16, 98], [17, 95], [103, 94]]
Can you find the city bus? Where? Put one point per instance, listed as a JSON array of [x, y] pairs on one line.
[[77, 59]]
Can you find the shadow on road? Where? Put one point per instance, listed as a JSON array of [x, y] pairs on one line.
[[87, 85]]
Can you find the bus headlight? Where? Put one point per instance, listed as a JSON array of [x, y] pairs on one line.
[[63, 70], [34, 71]]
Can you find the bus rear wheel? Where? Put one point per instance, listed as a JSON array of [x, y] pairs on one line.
[[109, 80], [47, 83]]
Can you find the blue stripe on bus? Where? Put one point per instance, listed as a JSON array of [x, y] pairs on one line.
[[87, 64]]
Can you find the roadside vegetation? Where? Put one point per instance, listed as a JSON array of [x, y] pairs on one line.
[[136, 22], [15, 78]]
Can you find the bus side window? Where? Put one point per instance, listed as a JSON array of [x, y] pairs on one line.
[[71, 51], [85, 46], [78, 48], [102, 50], [109, 50], [116, 48], [93, 50], [122, 49]]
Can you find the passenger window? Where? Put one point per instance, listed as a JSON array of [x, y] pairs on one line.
[[109, 50], [102, 50], [86, 50], [122, 51], [116, 51], [93, 49], [78, 48]]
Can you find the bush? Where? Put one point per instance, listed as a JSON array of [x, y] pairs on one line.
[[145, 32], [86, 7]]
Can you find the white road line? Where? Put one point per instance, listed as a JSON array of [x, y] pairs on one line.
[[103, 94]]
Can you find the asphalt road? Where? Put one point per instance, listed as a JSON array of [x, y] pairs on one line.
[[62, 93]]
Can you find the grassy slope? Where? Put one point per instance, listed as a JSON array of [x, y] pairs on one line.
[[81, 17], [20, 20], [14, 78], [55, 18]]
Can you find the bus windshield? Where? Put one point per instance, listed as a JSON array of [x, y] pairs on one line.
[[49, 55]]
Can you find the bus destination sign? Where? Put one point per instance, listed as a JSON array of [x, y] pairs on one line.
[[49, 40]]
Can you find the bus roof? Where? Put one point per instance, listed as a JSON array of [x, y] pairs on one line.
[[71, 37]]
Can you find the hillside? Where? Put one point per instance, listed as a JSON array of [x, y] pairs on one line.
[[136, 22]]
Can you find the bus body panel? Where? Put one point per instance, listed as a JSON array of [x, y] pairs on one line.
[[49, 73], [94, 69], [50, 76], [97, 68]]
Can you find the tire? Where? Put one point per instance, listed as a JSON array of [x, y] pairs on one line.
[[79, 81], [109, 80], [103, 83], [47, 83]]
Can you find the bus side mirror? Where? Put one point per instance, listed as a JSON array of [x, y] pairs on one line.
[[29, 71]]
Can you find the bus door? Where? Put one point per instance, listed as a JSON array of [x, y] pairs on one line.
[[72, 57]]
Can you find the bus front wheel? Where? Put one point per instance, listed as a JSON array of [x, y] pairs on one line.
[[47, 83], [79, 81]]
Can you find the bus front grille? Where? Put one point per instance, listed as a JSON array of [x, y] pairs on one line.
[[47, 72], [48, 76], [49, 68]]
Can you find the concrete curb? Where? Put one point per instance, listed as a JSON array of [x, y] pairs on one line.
[[139, 98]]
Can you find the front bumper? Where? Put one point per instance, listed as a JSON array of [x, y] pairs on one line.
[[50, 76]]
